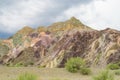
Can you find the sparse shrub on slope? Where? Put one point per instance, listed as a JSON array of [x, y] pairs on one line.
[[104, 75], [117, 72], [74, 64], [85, 71], [18, 65], [58, 79], [113, 66], [27, 76]]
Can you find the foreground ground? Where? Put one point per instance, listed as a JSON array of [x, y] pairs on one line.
[[10, 73]]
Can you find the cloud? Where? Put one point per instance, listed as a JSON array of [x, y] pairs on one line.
[[16, 14], [99, 14], [21, 13]]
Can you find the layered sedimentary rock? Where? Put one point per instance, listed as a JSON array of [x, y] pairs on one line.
[[52, 46]]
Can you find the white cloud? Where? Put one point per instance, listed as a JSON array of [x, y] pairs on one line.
[[21, 14], [98, 14], [16, 14]]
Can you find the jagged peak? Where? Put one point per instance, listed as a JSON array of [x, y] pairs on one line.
[[26, 27], [73, 18], [74, 21], [25, 30], [41, 29], [110, 30]]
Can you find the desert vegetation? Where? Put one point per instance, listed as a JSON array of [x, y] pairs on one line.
[[18, 73], [77, 65], [104, 75], [27, 76], [67, 50], [113, 66]]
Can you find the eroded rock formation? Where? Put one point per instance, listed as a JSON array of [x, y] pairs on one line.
[[52, 46]]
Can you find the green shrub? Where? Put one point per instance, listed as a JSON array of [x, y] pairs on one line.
[[58, 79], [117, 72], [27, 76], [113, 66], [104, 75], [85, 71], [74, 64], [18, 65], [118, 63], [10, 64]]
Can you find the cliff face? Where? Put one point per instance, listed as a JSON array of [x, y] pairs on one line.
[[51, 46]]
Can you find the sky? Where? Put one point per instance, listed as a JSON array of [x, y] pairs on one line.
[[98, 14]]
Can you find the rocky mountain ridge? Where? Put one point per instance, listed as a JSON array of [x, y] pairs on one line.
[[52, 46]]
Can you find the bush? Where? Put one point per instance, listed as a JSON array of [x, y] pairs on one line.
[[117, 72], [15, 65], [18, 65], [58, 79], [27, 76], [104, 75], [113, 66], [85, 71], [74, 64]]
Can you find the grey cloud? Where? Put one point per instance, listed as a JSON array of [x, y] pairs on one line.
[[46, 17], [59, 7], [5, 3], [72, 2]]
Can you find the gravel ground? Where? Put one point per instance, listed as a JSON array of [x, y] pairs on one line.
[[11, 73]]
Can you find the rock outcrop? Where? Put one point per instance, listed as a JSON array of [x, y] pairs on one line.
[[52, 46]]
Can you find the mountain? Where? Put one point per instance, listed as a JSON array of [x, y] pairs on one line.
[[52, 46]]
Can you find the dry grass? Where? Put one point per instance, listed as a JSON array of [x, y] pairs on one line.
[[11, 73]]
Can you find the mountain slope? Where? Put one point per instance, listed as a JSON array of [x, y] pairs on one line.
[[51, 46]]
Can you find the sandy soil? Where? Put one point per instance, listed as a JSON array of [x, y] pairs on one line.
[[11, 73]]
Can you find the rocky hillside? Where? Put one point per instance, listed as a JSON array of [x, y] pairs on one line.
[[51, 46]]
